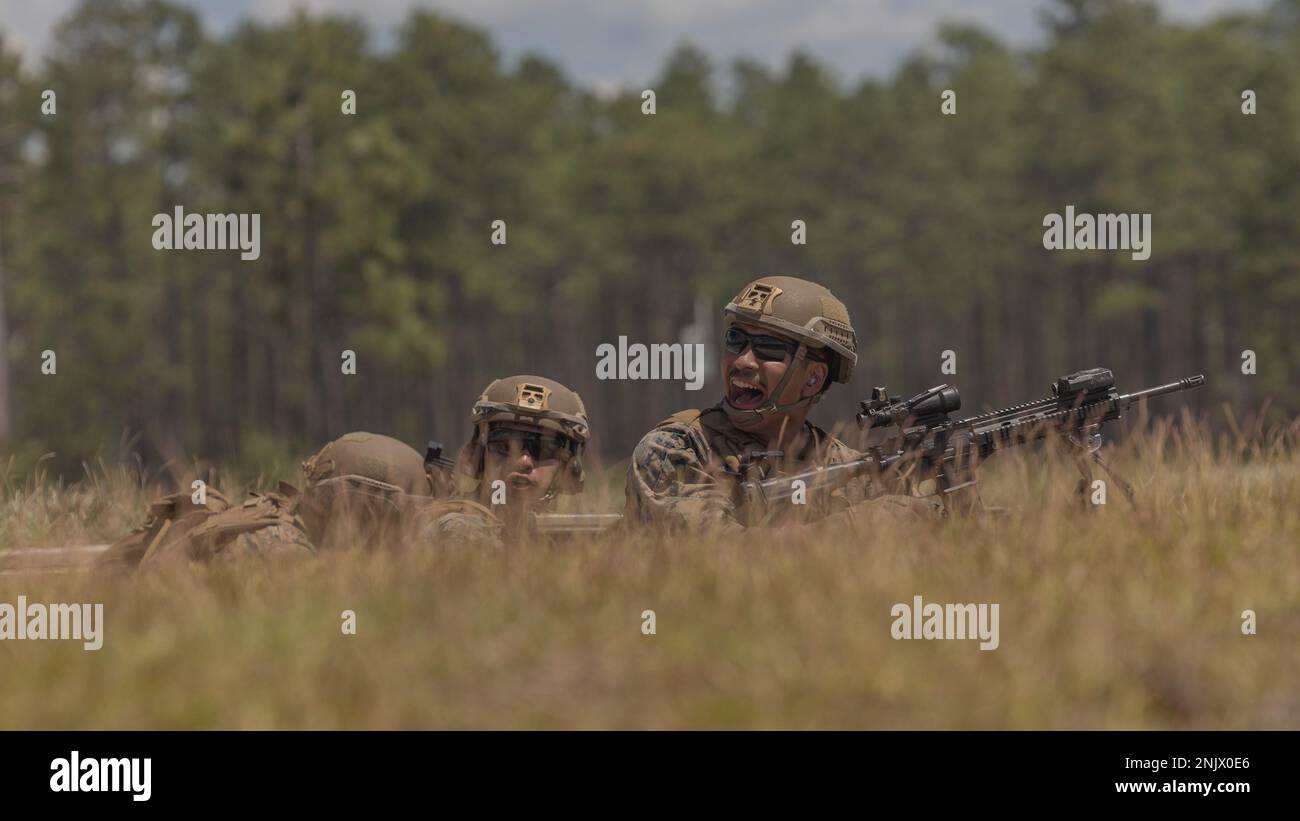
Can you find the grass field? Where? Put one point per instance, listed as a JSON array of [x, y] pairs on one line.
[[1108, 619]]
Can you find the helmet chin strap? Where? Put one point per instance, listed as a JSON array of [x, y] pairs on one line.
[[557, 481], [752, 418], [552, 490]]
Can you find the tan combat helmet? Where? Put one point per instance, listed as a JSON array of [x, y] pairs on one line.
[[532, 400], [801, 310], [378, 471]]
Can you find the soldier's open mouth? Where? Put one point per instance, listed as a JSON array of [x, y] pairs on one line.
[[744, 393], [520, 482]]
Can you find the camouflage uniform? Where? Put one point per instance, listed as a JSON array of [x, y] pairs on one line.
[[460, 522], [685, 473], [176, 529], [356, 483]]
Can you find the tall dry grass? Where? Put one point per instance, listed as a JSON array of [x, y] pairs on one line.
[[1113, 618]]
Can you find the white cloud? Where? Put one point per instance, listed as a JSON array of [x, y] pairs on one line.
[[607, 43], [27, 26]]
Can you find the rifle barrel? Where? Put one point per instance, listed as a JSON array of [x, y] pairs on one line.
[[574, 522], [1185, 384]]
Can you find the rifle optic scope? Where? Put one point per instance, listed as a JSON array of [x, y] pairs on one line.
[[1092, 380], [940, 400], [880, 411]]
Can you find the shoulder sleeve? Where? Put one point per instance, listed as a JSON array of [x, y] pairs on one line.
[[858, 489], [453, 522], [668, 484], [838, 452]]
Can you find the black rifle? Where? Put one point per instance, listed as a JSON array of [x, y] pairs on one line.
[[440, 469], [929, 445], [433, 456]]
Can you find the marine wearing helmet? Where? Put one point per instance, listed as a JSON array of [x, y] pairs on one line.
[[359, 486], [526, 450], [355, 488], [785, 341]]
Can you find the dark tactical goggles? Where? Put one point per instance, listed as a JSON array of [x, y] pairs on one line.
[[767, 348], [542, 447]]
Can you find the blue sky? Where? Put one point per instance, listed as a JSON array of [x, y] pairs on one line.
[[607, 43]]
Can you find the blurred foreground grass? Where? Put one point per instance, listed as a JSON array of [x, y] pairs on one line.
[[1110, 619]]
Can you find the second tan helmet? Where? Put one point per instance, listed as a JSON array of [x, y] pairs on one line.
[[533, 400], [369, 460], [367, 473]]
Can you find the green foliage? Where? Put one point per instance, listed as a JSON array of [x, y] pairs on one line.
[[375, 227]]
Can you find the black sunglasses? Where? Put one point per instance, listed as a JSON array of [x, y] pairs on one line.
[[766, 348], [542, 447]]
